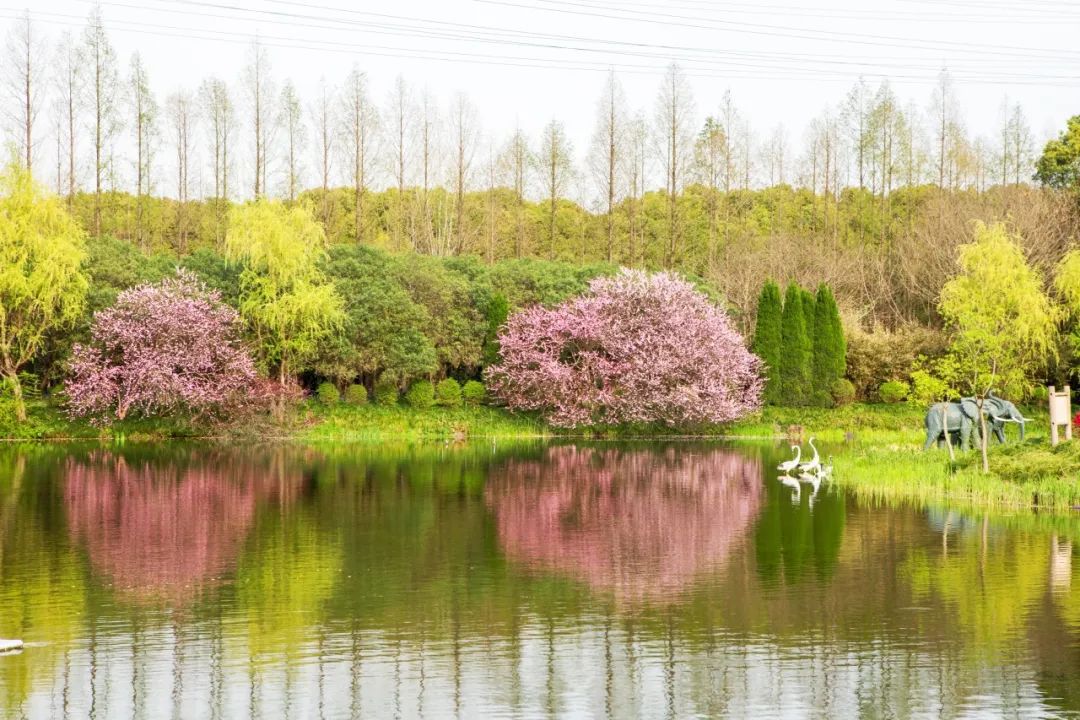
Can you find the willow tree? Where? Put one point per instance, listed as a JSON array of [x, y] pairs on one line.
[[42, 285], [287, 303], [1003, 323]]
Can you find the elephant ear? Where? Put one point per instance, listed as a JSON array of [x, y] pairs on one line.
[[970, 407]]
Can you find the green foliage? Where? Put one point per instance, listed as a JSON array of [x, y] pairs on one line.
[[842, 391], [386, 392], [448, 393], [283, 295], [795, 351], [356, 394], [767, 339], [384, 332], [42, 283], [893, 391], [882, 355], [498, 309], [1059, 165], [821, 398], [927, 388], [828, 341], [328, 394], [420, 395], [473, 392], [1004, 325]]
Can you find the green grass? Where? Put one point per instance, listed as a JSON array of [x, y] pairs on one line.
[[378, 423], [48, 422]]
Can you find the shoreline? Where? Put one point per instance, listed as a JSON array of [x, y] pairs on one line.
[[877, 449]]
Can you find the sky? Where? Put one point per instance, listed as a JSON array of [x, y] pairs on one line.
[[523, 63]]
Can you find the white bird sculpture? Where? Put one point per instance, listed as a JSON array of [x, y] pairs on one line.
[[814, 482], [788, 465], [826, 469], [814, 466]]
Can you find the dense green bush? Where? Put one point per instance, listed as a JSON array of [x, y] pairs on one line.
[[421, 395], [356, 394], [328, 393], [448, 393], [386, 392], [821, 398], [842, 391], [474, 392], [893, 391]]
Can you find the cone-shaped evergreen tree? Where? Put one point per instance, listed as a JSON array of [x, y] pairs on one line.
[[795, 350], [829, 346], [767, 339]]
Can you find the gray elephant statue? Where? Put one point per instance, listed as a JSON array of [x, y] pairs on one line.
[[961, 419], [998, 412]]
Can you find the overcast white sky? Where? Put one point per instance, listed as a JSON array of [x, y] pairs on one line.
[[524, 62]]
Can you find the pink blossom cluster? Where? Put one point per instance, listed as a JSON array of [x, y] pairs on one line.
[[172, 346], [638, 348]]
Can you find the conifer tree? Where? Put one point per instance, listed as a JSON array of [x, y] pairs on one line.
[[795, 350], [826, 344], [767, 339]]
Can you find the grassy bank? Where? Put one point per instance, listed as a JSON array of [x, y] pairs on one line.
[[877, 449], [375, 423]]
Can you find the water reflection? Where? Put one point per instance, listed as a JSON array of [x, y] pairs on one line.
[[164, 532], [520, 581], [641, 524]]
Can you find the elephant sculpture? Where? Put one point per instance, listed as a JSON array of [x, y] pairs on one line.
[[1000, 411], [962, 420]]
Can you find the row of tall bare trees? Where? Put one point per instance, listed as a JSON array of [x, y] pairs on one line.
[[256, 136]]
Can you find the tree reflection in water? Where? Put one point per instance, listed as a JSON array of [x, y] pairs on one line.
[[164, 532], [641, 524]]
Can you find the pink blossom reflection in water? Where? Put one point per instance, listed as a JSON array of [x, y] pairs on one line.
[[640, 524], [163, 534]]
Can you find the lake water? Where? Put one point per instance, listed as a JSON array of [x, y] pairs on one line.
[[513, 580]]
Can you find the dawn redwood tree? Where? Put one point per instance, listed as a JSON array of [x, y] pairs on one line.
[[637, 348], [163, 348], [767, 344]]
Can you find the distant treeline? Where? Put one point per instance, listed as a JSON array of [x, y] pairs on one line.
[[885, 258]]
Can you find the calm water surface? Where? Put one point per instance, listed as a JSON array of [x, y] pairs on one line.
[[510, 580]]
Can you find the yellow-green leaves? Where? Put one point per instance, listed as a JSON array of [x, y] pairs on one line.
[[42, 284], [1004, 324], [284, 297]]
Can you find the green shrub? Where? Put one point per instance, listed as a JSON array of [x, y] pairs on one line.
[[842, 391], [328, 394], [386, 393], [356, 394], [881, 355], [821, 398], [893, 391], [421, 395], [474, 392], [448, 393]]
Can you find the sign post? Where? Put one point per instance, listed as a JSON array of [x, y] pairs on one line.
[[1060, 414]]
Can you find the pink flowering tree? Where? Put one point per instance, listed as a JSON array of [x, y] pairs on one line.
[[637, 348], [164, 348]]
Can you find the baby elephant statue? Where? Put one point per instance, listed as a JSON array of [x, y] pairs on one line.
[[961, 419]]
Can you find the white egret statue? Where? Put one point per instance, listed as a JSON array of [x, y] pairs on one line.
[[788, 465], [814, 466]]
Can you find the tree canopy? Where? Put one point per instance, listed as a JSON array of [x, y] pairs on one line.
[[42, 282]]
